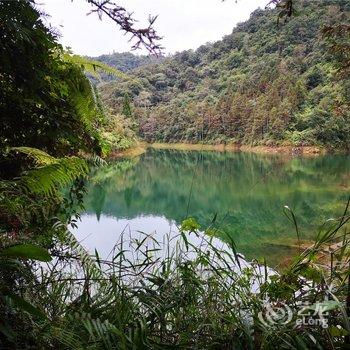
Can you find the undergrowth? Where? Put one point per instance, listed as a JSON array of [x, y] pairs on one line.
[[188, 291]]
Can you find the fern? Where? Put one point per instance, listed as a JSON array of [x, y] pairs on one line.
[[93, 67], [47, 179], [51, 173], [95, 161], [40, 157]]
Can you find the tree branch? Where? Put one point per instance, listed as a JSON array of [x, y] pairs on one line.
[[146, 37]]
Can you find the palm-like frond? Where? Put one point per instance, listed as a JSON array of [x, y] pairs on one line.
[[40, 157], [51, 173], [95, 161], [46, 179], [93, 67]]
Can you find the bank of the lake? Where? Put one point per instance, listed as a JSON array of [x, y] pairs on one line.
[[282, 149], [141, 147], [134, 151]]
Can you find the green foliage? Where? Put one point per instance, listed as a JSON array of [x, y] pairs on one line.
[[145, 297], [46, 100], [29, 201], [252, 86], [190, 225], [50, 173], [127, 111], [126, 61], [45, 180], [94, 68], [26, 251], [31, 208], [118, 134], [185, 295], [38, 156]]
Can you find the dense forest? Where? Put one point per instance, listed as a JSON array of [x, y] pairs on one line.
[[262, 84], [127, 61], [124, 62]]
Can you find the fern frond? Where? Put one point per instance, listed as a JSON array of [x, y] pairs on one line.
[[46, 178], [40, 157], [93, 67], [59, 173], [95, 161]]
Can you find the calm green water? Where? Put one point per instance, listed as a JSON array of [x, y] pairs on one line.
[[247, 192]]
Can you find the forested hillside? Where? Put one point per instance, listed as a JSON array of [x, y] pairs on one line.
[[127, 61], [262, 84]]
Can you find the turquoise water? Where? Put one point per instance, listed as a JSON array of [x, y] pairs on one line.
[[245, 193]]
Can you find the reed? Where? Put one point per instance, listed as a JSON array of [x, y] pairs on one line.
[[186, 292]]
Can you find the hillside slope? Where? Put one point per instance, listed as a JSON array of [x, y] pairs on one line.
[[262, 84], [125, 61]]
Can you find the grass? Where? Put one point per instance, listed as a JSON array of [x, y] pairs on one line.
[[191, 291], [186, 292]]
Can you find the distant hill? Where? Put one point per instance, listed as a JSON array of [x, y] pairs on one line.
[[262, 84], [126, 61]]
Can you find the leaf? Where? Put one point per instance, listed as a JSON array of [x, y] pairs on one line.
[[327, 305], [25, 306], [185, 240], [338, 331], [94, 67], [40, 157], [97, 258], [47, 179], [190, 225], [27, 251], [212, 232], [311, 273]]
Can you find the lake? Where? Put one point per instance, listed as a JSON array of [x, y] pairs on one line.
[[239, 195]]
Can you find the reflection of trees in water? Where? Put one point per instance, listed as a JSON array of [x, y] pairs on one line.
[[247, 191]]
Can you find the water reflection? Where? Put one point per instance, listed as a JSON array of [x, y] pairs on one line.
[[245, 192], [103, 233]]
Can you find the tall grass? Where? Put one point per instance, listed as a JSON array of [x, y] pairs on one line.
[[185, 292]]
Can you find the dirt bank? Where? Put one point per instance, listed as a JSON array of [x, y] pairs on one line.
[[132, 152], [292, 150]]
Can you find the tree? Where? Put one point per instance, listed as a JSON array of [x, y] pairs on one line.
[[46, 102], [258, 81], [127, 111]]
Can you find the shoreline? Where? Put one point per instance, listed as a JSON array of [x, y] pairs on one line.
[[131, 152], [287, 149]]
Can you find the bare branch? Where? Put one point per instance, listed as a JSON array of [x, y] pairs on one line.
[[286, 8], [146, 37]]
